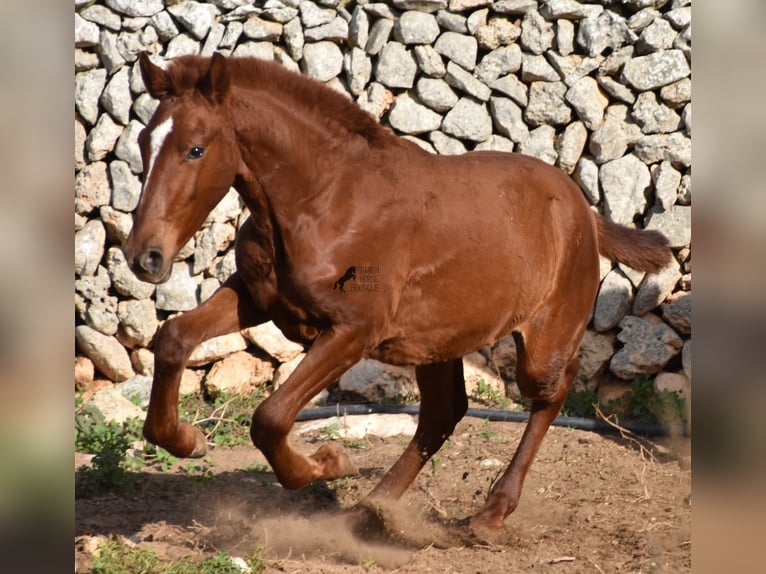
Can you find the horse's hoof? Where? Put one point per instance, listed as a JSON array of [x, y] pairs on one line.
[[333, 463], [366, 520], [483, 531], [200, 444]]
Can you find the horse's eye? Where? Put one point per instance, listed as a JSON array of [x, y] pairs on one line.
[[195, 152]]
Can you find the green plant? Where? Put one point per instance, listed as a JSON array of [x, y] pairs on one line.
[[331, 431], [436, 461], [486, 432], [643, 404], [489, 396], [158, 457], [356, 444], [581, 404]]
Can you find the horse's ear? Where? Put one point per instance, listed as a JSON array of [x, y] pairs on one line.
[[215, 85], [155, 79]]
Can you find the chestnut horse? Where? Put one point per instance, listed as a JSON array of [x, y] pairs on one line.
[[360, 244]]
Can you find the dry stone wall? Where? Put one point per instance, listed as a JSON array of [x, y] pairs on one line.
[[600, 89]]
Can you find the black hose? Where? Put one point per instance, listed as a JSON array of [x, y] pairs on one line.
[[580, 423]]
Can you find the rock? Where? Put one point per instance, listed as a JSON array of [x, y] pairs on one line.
[[138, 320], [537, 69], [565, 34], [269, 338], [416, 28], [595, 351], [461, 80], [101, 314], [179, 293], [238, 373], [677, 312], [358, 28], [463, 5], [89, 247], [536, 34], [450, 22], [609, 142], [569, 9], [210, 241], [378, 37], [360, 426], [101, 138], [91, 188], [588, 101], [655, 288], [135, 7], [514, 6], [546, 104], [612, 390], [586, 176], [257, 29], [666, 183], [113, 406], [195, 17], [656, 70], [476, 368], [396, 68], [605, 31], [312, 15], [458, 48], [468, 120], [284, 370], [108, 356], [375, 381], [649, 345], [624, 183], [164, 25], [674, 223], [613, 301], [83, 372], [654, 117], [436, 94], [675, 148], [429, 61], [500, 62], [615, 89], [569, 146], [108, 52], [86, 34], [136, 389], [260, 50], [409, 117], [541, 144], [686, 359], [508, 120], [678, 94], [657, 36], [498, 32], [423, 5], [376, 100], [216, 348], [126, 187], [445, 145], [336, 31], [673, 383], [358, 68], [116, 97], [511, 86], [123, 279], [127, 146], [183, 45]]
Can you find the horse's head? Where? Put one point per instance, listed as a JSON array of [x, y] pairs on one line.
[[189, 156]]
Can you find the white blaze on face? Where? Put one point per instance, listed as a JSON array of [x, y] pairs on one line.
[[156, 139]]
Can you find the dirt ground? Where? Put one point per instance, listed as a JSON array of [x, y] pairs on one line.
[[591, 503]]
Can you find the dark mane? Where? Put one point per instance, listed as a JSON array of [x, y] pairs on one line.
[[186, 73]]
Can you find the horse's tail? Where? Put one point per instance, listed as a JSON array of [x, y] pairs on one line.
[[640, 249]]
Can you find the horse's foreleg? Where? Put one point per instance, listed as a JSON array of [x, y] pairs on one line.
[[333, 352], [229, 309], [443, 403]]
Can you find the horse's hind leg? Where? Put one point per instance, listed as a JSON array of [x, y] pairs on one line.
[[443, 403], [229, 309], [546, 365]]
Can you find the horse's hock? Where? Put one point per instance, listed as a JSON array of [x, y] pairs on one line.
[[604, 93]]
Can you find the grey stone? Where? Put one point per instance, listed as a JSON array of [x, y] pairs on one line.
[[476, 20], [358, 28], [659, 35], [436, 94], [605, 31], [649, 345], [546, 104], [679, 18], [110, 55], [127, 146], [138, 322], [216, 348], [278, 12], [257, 29], [89, 247], [102, 315], [508, 119], [102, 16], [498, 32], [312, 15], [396, 68], [468, 120], [80, 136], [93, 287], [458, 48], [463, 5], [615, 61], [461, 80], [117, 224], [84, 60], [686, 359], [126, 187], [239, 373], [514, 6], [115, 407], [674, 223], [677, 312], [537, 69], [292, 34], [270, 339], [656, 70], [541, 144], [451, 22], [569, 9], [225, 267], [609, 142], [91, 188], [179, 293], [624, 182], [655, 288], [375, 100], [335, 31], [101, 138], [639, 21], [445, 145], [674, 147], [565, 34], [322, 60], [429, 61], [181, 45], [616, 89], [666, 181], [135, 7], [586, 176], [228, 209], [678, 94], [144, 107], [378, 37], [210, 241], [654, 117], [131, 44], [108, 356], [136, 389], [86, 34], [260, 50], [588, 101], [232, 33], [424, 145], [164, 25], [495, 143], [422, 5], [358, 68], [536, 34], [375, 381], [500, 62], [512, 87], [123, 279], [685, 190], [416, 28], [569, 146], [116, 97]]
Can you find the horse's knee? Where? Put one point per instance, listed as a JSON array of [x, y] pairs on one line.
[[268, 426], [173, 345], [548, 381]]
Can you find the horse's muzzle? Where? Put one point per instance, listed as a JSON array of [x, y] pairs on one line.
[[149, 266]]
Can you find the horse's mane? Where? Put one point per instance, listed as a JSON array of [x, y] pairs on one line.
[[186, 73]]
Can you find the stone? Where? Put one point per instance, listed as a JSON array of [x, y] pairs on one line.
[[101, 138], [238, 373], [586, 176], [541, 144], [565, 34], [514, 6], [336, 31], [673, 383], [477, 369], [396, 68], [546, 104], [677, 312], [126, 187], [468, 120], [257, 29], [270, 339], [445, 145], [216, 348], [285, 369], [656, 70], [136, 389], [312, 15], [508, 119], [113, 406], [613, 301], [210, 241], [655, 288], [182, 45], [595, 351], [674, 223], [498, 32], [260, 50], [624, 182], [436, 94], [410, 117], [616, 89], [108, 355], [91, 188], [464, 81], [116, 97], [86, 34], [569, 9], [659, 35], [164, 25], [378, 37], [512, 87], [135, 7], [649, 345], [422, 5], [108, 52], [414, 27], [374, 381], [499, 62], [475, 20], [677, 94], [84, 372], [89, 247], [588, 101], [123, 279], [602, 32], [570, 145], [195, 17], [179, 293], [228, 209], [609, 142], [458, 48], [463, 5], [686, 358], [674, 147], [643, 18], [127, 148], [358, 28], [537, 69], [359, 427], [685, 191], [450, 22], [375, 100], [614, 62], [322, 60], [358, 66], [536, 34], [138, 322], [679, 18], [429, 61], [666, 181], [654, 117]]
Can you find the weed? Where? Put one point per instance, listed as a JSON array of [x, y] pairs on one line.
[[356, 444], [643, 404], [490, 397], [486, 432], [331, 432], [581, 404], [158, 457], [436, 461]]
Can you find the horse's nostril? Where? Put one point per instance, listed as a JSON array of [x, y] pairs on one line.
[[151, 261]]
